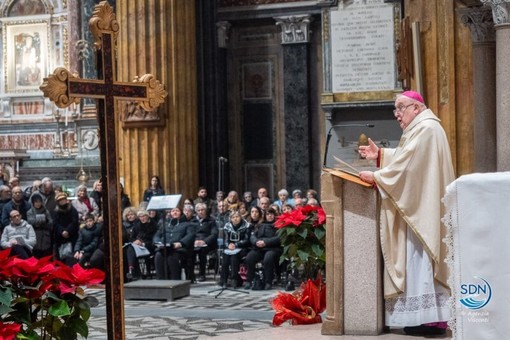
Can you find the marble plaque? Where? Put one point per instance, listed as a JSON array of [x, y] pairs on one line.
[[363, 46]]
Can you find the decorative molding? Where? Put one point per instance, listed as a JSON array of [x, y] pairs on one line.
[[55, 87], [480, 22], [223, 31], [103, 21], [295, 28], [500, 10]]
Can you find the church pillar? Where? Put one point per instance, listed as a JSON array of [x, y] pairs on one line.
[[501, 10], [158, 37], [479, 21], [295, 35]]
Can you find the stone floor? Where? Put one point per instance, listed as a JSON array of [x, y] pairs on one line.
[[231, 315]]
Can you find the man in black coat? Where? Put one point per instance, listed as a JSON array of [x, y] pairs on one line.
[[174, 238], [206, 238], [66, 226]]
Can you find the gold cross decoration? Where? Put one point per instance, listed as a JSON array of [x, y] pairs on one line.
[[64, 88]]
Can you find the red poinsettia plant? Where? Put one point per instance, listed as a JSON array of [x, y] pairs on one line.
[[43, 299], [303, 236], [303, 306]]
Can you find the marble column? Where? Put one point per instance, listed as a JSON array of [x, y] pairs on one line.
[[500, 12], [480, 23], [295, 35]]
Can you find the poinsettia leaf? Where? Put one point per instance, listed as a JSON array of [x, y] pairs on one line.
[[320, 233], [84, 310], [79, 326], [5, 309], [53, 296], [303, 233], [67, 332], [5, 296], [303, 255], [317, 249], [60, 308]]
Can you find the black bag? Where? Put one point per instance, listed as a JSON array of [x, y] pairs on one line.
[[258, 280]]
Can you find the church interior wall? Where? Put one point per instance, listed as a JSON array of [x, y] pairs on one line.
[[172, 148]]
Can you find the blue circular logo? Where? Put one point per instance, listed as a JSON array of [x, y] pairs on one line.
[[477, 295]]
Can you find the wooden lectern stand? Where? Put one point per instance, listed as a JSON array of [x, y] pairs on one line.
[[354, 295]]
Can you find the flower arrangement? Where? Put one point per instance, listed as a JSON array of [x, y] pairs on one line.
[[303, 235], [302, 307], [43, 299]]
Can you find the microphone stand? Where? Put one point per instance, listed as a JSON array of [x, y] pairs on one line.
[[221, 247], [328, 137]]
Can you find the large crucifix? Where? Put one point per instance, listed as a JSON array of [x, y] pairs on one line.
[[64, 88]]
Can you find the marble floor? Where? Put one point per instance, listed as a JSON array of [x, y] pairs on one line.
[[203, 314]]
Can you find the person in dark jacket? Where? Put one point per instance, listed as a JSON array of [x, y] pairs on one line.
[[236, 238], [174, 237], [87, 242], [154, 189], [266, 248], [5, 197], [206, 238], [42, 222], [16, 203], [141, 244], [66, 225]]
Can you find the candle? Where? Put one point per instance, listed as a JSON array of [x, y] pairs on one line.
[[66, 114]]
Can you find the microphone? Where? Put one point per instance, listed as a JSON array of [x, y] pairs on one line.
[[223, 159], [328, 136]]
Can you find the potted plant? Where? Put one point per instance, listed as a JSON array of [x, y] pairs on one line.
[[302, 233], [43, 299]]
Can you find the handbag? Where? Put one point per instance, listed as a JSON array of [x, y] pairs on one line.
[[65, 250]]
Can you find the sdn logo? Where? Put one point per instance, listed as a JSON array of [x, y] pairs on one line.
[[477, 295]]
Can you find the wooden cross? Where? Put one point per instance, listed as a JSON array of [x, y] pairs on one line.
[[64, 88]]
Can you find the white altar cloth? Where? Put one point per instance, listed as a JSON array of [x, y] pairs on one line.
[[478, 222]]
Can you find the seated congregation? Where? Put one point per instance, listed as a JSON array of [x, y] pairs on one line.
[[229, 240]]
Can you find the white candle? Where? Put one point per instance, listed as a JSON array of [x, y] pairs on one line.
[[66, 111]]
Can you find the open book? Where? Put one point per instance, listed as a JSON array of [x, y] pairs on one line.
[[346, 167], [348, 172]]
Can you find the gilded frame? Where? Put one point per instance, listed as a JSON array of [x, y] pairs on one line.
[[26, 51]]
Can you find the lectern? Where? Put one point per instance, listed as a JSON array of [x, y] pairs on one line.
[[354, 294]]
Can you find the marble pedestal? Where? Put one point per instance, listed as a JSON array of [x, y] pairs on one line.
[[168, 290], [353, 259]]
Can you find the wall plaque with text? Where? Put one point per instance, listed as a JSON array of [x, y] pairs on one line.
[[362, 38]]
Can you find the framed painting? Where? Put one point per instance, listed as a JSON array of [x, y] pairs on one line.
[[26, 49]]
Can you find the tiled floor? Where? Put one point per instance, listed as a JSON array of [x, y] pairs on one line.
[[232, 315]]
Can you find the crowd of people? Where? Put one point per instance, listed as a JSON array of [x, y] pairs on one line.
[[229, 234]]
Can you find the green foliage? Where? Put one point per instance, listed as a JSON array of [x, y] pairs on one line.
[[303, 236]]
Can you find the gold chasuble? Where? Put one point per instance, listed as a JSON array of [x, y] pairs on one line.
[[412, 180]]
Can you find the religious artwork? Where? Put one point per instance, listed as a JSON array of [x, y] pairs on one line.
[[26, 7], [25, 63], [133, 115], [90, 139], [257, 80]]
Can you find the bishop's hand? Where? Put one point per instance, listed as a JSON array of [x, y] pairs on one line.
[[370, 151]]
